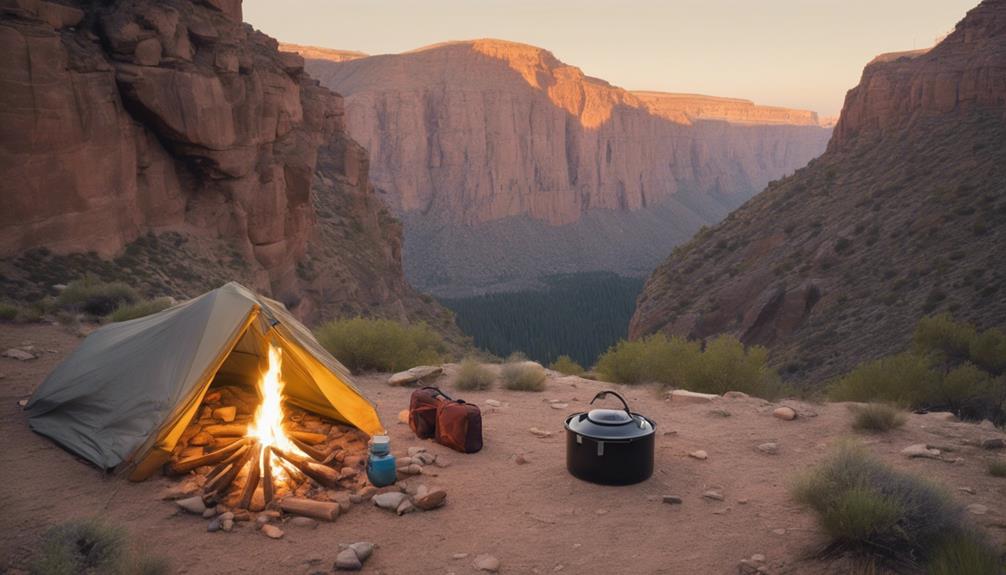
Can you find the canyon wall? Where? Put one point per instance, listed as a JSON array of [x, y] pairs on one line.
[[467, 135], [903, 216], [126, 121]]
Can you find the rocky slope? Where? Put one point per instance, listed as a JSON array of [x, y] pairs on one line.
[[904, 215], [170, 144], [506, 163]]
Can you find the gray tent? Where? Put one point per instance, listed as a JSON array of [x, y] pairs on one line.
[[123, 398]]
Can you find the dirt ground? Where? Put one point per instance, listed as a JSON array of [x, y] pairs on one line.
[[535, 518]]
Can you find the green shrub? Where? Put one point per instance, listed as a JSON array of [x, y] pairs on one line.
[[877, 417], [140, 309], [865, 506], [566, 366], [988, 351], [96, 297], [940, 336], [380, 344], [8, 312], [968, 391], [91, 547], [997, 467], [724, 365], [473, 376], [904, 379], [523, 376], [965, 552]]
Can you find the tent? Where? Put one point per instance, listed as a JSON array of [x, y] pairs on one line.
[[123, 398]]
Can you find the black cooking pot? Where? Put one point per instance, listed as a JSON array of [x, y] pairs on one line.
[[610, 446]]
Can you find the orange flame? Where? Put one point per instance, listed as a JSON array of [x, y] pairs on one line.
[[267, 427]]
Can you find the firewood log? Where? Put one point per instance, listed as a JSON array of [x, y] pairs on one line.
[[314, 452], [226, 462], [227, 430], [224, 480], [267, 487], [187, 465], [254, 472], [322, 510], [306, 437], [322, 475]]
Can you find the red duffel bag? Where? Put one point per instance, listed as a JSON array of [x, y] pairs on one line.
[[423, 411], [459, 425]]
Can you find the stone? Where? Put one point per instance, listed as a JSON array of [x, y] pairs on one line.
[[416, 374], [770, 448], [403, 416], [719, 413], [209, 512], [784, 413], [406, 506], [559, 405], [148, 52], [459, 555], [493, 403], [699, 454], [192, 505], [413, 469], [685, 396], [413, 451], [968, 490], [713, 495], [977, 509], [347, 560], [19, 354], [349, 472], [779, 531], [993, 443], [403, 462], [520, 459], [672, 499], [540, 433], [442, 461], [305, 522], [226, 414], [227, 525], [181, 490], [736, 395], [214, 525], [272, 532], [920, 450], [432, 500], [363, 550], [390, 500], [486, 562], [425, 458]]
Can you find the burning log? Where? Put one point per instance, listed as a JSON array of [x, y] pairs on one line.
[[187, 465], [322, 510], [267, 487], [224, 480], [253, 477], [304, 436], [314, 452], [227, 430], [234, 457], [321, 474]]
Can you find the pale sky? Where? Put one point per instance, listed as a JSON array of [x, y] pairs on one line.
[[794, 53]]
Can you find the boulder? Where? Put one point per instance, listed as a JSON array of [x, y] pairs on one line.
[[415, 374], [920, 450], [148, 52], [784, 413]]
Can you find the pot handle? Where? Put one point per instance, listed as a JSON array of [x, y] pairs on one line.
[[604, 394]]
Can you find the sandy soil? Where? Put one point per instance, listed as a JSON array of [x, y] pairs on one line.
[[535, 517]]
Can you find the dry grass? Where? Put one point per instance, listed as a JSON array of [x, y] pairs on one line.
[[997, 467], [473, 376], [877, 417], [523, 376]]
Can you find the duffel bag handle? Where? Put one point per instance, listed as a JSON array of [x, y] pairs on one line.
[[603, 394], [449, 398]]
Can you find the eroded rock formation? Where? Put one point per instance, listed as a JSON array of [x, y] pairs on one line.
[[130, 118], [903, 216], [466, 134]]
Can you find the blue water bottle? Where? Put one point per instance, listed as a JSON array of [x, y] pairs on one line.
[[381, 463]]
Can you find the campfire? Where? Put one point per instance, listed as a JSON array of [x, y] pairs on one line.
[[249, 450]]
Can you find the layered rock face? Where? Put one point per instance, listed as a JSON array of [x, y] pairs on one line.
[[126, 119], [468, 134], [903, 216]]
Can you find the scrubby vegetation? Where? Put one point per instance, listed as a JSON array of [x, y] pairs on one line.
[[869, 508], [95, 297], [523, 376], [363, 344], [997, 467], [951, 366], [877, 417], [566, 366], [91, 547], [965, 552], [723, 365], [473, 376], [14, 313], [579, 315], [140, 309]]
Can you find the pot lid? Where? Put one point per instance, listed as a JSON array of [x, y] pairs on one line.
[[610, 423]]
